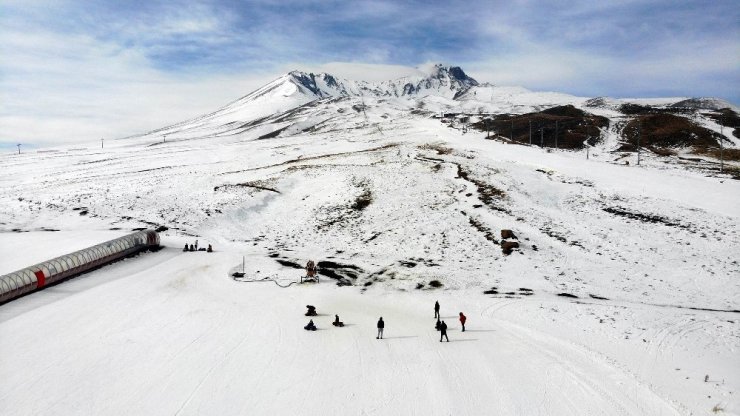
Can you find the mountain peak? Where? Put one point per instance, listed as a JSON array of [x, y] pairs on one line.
[[439, 70]]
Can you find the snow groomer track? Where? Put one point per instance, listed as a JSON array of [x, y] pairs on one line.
[[27, 280]]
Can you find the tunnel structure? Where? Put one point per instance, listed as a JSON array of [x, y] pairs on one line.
[[21, 282]]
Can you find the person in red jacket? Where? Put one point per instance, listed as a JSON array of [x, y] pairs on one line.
[[463, 318]]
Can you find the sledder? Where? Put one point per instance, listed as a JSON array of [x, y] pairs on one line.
[[311, 273]]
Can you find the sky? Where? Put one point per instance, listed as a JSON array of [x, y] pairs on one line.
[[79, 71]]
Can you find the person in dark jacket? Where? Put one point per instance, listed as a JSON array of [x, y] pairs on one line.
[[463, 318], [310, 326], [436, 309], [337, 322], [438, 325], [443, 332], [209, 249], [186, 247], [311, 310], [381, 326]]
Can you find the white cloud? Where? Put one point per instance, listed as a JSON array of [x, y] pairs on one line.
[[673, 72], [64, 89]]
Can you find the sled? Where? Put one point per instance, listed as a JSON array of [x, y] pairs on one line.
[[313, 279]]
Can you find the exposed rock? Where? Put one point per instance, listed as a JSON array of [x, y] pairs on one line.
[[508, 246], [507, 234]]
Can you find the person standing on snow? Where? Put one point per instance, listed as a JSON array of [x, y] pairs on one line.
[[436, 309], [463, 318], [381, 325], [443, 332]]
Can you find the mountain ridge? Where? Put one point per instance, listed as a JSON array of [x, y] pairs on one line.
[[291, 104]]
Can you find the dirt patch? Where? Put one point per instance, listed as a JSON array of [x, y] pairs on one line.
[[440, 149], [487, 232], [727, 118], [305, 159], [373, 237], [662, 151], [491, 291], [648, 218], [631, 109], [363, 200], [344, 213], [727, 154], [253, 184], [436, 284], [565, 126], [487, 193], [344, 274], [568, 295], [549, 232], [289, 263], [666, 130]]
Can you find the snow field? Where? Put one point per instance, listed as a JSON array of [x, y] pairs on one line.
[[182, 338], [172, 333]]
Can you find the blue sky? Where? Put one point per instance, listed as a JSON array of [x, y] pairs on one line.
[[79, 70]]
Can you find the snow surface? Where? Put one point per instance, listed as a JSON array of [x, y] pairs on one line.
[[649, 251]]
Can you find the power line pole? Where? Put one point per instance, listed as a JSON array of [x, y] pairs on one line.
[[542, 135], [19, 148], [639, 134], [530, 132], [101, 143], [721, 146], [511, 132], [362, 100], [556, 134]]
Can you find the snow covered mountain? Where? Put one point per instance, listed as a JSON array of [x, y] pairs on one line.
[[592, 285], [298, 101], [705, 103], [441, 80], [297, 88]]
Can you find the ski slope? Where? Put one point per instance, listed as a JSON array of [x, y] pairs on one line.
[[180, 337]]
